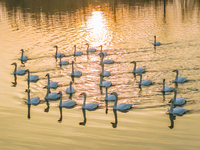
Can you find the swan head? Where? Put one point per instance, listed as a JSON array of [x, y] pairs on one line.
[[55, 46], [72, 62], [116, 95], [175, 70], [133, 62], [14, 63], [75, 46], [140, 74], [60, 92], [83, 94], [87, 44], [27, 90], [27, 70], [47, 75], [22, 50], [101, 54]]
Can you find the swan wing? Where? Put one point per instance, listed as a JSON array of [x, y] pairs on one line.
[[24, 58], [78, 53], [53, 84], [179, 111], [146, 82], [60, 55], [108, 61], [104, 53], [34, 100], [64, 62], [91, 49], [76, 73], [91, 106], [110, 97], [33, 78], [68, 103], [70, 90], [20, 72], [106, 73], [53, 96], [168, 89], [106, 83], [181, 79], [139, 70], [124, 106], [180, 101]]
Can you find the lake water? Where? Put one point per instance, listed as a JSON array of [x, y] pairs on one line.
[[126, 30]]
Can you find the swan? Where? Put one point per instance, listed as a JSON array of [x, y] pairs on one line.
[[57, 55], [107, 61], [51, 95], [166, 88], [156, 43], [110, 97], [70, 90], [34, 100], [75, 73], [138, 70], [104, 53], [89, 106], [63, 62], [77, 53], [19, 72], [122, 106], [177, 110], [144, 82], [90, 49], [23, 58], [104, 73], [67, 103], [179, 101], [32, 78], [52, 85], [104, 83], [179, 79]]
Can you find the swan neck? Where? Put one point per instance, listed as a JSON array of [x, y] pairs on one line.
[[48, 81], [60, 101], [56, 51], [22, 54], [154, 39], [106, 92], [134, 66], [15, 68], [101, 79], [72, 68], [163, 84], [102, 68], [115, 105], [140, 78], [28, 96], [176, 74], [101, 49], [74, 49], [172, 103], [84, 100], [60, 61], [102, 56], [70, 86]]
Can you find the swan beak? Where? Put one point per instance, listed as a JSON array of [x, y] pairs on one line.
[[174, 71], [170, 101]]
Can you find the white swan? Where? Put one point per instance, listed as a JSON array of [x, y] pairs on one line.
[[70, 90], [67, 103], [138, 70], [110, 97], [53, 85], [23, 58], [179, 101], [107, 61], [51, 95], [34, 100], [77, 53], [32, 78], [144, 82], [122, 106], [156, 43], [104, 83], [19, 72], [89, 106], [90, 49], [104, 73], [63, 62], [75, 73], [177, 110], [166, 88], [104, 53], [179, 79], [57, 55]]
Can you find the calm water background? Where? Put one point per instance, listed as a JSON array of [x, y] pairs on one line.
[[125, 29]]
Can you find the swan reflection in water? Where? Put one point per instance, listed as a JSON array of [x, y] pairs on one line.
[[84, 117], [29, 110], [48, 106], [15, 81], [172, 118], [114, 124]]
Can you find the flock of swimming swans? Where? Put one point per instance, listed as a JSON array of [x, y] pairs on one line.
[[174, 110]]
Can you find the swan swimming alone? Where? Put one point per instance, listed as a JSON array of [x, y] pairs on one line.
[[122, 106], [75, 73], [104, 73], [89, 106], [144, 82], [104, 83], [52, 85], [57, 55], [32, 78], [90, 49], [166, 88], [23, 58], [66, 103], [70, 90], [138, 70], [107, 61], [179, 79], [34, 100], [177, 110], [19, 72], [77, 53], [109, 97], [156, 43], [104, 53]]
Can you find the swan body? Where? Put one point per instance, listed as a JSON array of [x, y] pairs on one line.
[[75, 73], [63, 62], [67, 103], [34, 100], [179, 101], [110, 97], [32, 78], [137, 70], [89, 106], [77, 53], [104, 73], [177, 110], [179, 79], [90, 49], [104, 83], [70, 90], [166, 88], [107, 61], [51, 95], [23, 58], [20, 72], [57, 55], [144, 82], [104, 53], [122, 106], [156, 43], [52, 85]]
